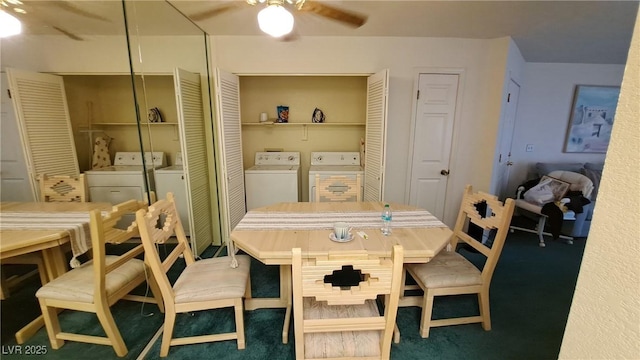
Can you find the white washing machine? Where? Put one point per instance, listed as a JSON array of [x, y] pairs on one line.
[[171, 179], [274, 178], [334, 163], [124, 180]]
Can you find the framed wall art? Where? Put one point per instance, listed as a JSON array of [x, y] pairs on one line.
[[558, 187], [591, 119]]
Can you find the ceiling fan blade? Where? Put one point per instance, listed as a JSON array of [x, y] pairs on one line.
[[70, 35], [26, 19], [78, 11], [205, 14], [347, 17]]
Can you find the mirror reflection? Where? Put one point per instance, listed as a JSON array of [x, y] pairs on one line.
[[139, 115]]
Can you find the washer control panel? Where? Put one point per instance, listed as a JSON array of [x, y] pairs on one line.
[[277, 158], [335, 158], [133, 158]]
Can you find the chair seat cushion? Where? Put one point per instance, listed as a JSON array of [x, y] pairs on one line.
[[212, 279], [345, 344], [77, 285], [447, 269]]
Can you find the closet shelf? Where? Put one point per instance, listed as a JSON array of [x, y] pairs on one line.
[[133, 124], [301, 124]]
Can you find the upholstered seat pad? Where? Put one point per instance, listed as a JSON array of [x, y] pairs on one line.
[[78, 285], [447, 269], [212, 279], [345, 344]]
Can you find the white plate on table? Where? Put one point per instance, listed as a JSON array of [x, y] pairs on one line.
[[332, 236]]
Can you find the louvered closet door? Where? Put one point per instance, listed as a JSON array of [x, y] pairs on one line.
[[193, 144], [230, 148], [45, 126], [376, 132]]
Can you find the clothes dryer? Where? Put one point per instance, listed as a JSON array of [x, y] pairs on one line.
[[334, 163], [125, 179]]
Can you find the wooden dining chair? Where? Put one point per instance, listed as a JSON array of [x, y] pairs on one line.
[[335, 311], [99, 283], [202, 285], [338, 188], [450, 273], [62, 188]]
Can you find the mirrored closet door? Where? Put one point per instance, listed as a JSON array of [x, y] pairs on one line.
[[134, 88]]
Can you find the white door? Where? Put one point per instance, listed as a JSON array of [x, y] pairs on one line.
[[432, 138], [375, 136], [193, 144], [46, 136], [14, 177], [230, 150], [504, 163]]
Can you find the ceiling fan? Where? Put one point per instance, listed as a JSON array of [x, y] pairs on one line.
[[276, 21], [32, 11]]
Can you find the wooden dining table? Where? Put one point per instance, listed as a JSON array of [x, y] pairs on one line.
[[270, 233], [45, 227]]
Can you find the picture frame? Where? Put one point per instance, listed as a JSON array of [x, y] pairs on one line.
[[557, 186], [591, 119]]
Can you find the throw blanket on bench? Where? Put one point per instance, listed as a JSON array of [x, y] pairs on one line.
[[556, 215], [275, 220]]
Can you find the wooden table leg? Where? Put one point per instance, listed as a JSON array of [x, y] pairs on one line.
[[285, 297], [54, 261], [282, 302]]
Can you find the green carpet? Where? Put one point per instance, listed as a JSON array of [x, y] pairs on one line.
[[531, 295]]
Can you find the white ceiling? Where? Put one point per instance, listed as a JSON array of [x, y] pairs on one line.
[[597, 32]]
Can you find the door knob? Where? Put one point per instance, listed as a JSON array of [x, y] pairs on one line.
[[444, 172], [509, 163]]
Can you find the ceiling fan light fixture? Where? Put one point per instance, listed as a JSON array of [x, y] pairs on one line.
[[9, 24], [275, 20]]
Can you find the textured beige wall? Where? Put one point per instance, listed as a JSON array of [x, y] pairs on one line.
[[604, 322]]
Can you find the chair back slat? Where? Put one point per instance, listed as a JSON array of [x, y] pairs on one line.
[[104, 231], [114, 231], [346, 324], [159, 223], [62, 188], [124, 258], [488, 213], [480, 247], [377, 281], [316, 285], [338, 188]]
